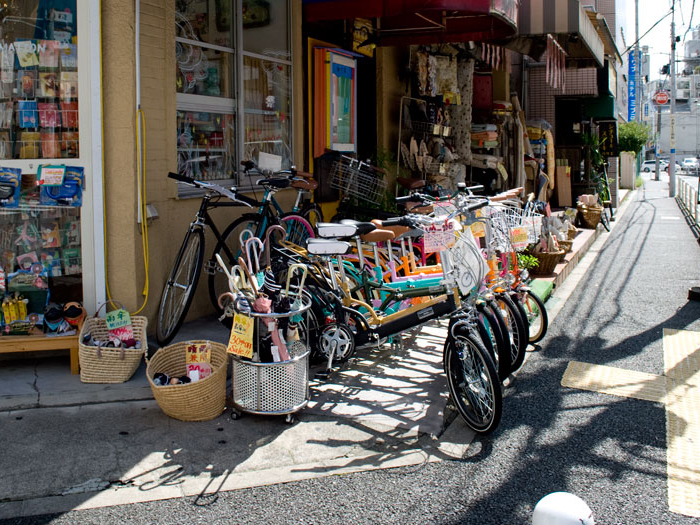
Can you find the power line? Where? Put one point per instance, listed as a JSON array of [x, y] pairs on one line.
[[690, 25], [645, 34]]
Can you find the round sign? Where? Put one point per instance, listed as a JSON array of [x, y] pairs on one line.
[[661, 97]]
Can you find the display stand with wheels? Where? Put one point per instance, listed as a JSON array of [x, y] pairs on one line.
[[277, 387]]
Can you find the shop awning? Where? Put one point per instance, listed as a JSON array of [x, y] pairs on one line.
[[565, 20], [605, 35], [406, 22]]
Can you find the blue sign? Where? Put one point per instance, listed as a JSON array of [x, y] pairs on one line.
[[631, 88]]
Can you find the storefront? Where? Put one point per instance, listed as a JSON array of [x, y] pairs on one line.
[[52, 244]]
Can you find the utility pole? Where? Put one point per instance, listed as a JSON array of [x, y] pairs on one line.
[[658, 139], [672, 117]]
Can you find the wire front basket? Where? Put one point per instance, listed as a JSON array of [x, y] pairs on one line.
[[358, 179], [514, 228]]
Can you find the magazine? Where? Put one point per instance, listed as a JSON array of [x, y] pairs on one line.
[[69, 84], [69, 144], [48, 84], [48, 53], [27, 114], [6, 114], [69, 56], [69, 114], [26, 83], [29, 145], [26, 53], [48, 114], [50, 148]]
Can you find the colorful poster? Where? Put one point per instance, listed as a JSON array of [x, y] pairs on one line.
[[241, 340]]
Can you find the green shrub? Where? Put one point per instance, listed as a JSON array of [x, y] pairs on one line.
[[632, 136]]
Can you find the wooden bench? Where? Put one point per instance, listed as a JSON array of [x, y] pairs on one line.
[[39, 343]]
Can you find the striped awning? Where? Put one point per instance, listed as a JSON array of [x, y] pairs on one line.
[[565, 20]]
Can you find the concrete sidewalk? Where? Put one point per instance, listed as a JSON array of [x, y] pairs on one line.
[[70, 445]]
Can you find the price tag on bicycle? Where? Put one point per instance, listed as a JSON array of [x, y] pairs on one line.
[[518, 237], [438, 236]]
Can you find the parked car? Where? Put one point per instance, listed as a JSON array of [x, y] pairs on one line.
[[650, 165], [690, 165]]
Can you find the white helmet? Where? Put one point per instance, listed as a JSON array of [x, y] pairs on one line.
[[562, 508]]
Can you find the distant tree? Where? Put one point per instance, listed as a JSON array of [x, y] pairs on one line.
[[631, 136]]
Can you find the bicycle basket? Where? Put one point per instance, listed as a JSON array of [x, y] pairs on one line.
[[358, 179], [469, 265]]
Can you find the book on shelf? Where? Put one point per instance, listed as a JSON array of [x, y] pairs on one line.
[[27, 114], [69, 84], [26, 83], [48, 114], [48, 53], [26, 53], [69, 114], [5, 145], [50, 147], [6, 114], [69, 144], [29, 145], [69, 56], [48, 84]]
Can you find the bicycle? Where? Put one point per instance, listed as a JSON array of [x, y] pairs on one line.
[[182, 281]]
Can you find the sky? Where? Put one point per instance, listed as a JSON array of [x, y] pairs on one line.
[[659, 38]]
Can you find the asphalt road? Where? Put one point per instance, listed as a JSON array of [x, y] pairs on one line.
[[610, 451]]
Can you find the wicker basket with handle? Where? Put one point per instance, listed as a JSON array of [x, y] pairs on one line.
[[109, 365], [199, 401], [547, 261], [590, 215]]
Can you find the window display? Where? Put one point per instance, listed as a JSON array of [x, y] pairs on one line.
[[39, 80], [205, 145]]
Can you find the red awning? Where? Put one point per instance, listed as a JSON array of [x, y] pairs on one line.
[[404, 22]]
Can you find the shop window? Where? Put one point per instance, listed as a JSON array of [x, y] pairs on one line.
[[40, 238], [215, 84]]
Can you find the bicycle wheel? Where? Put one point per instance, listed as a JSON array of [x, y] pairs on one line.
[[516, 329], [297, 227], [536, 313], [229, 248], [180, 287], [473, 382], [494, 340], [312, 213]]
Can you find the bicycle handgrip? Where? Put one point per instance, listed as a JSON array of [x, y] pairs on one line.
[[408, 198], [475, 188], [476, 205], [397, 221], [181, 178]]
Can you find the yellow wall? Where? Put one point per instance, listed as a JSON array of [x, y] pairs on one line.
[[125, 267]]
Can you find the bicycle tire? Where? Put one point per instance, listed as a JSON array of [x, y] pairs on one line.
[[218, 283], [313, 214], [536, 313], [494, 340], [473, 382], [516, 328], [171, 311], [297, 227]]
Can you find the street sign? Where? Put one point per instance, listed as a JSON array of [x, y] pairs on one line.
[[661, 97]]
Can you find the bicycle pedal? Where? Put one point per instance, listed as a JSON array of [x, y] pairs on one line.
[[211, 267]]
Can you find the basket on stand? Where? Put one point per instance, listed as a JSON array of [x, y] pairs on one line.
[[566, 245], [197, 401], [590, 215], [547, 261], [277, 387], [109, 365]]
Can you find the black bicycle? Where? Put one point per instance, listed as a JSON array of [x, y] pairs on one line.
[[181, 284]]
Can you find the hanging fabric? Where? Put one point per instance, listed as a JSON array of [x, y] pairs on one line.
[[555, 73]]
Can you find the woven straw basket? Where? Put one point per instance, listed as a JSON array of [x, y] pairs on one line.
[[566, 245], [110, 365], [590, 215], [199, 401], [548, 261]]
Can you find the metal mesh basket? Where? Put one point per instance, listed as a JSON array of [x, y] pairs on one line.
[[514, 228], [358, 179], [469, 264], [276, 387]]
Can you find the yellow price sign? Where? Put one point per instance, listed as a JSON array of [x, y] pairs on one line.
[[518, 237], [241, 340]]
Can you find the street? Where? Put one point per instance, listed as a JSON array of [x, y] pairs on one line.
[[609, 450]]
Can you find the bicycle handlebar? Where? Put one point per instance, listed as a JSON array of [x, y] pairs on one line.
[[231, 194]]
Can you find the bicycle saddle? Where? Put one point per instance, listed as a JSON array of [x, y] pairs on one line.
[[398, 231], [334, 230], [362, 227], [279, 183], [305, 184], [378, 236], [327, 247]]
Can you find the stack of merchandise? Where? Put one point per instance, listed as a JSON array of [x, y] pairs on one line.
[[484, 136]]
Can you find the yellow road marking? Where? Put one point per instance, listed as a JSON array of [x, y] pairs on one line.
[[679, 390]]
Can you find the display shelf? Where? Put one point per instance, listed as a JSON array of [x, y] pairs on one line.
[[40, 343]]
